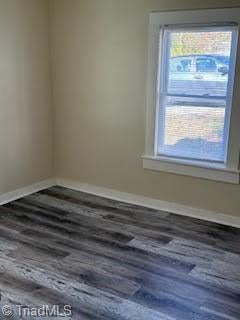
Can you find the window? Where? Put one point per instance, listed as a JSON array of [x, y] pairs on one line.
[[191, 77], [207, 64], [194, 92]]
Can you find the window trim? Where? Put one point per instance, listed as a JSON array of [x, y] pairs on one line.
[[164, 73], [228, 172]]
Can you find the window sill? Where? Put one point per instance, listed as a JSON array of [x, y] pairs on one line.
[[210, 171]]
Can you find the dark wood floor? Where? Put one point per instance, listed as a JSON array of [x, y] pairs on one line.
[[111, 260]]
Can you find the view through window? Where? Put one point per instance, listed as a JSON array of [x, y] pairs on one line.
[[195, 92]]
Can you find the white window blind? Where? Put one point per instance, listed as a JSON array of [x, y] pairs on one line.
[[195, 91]]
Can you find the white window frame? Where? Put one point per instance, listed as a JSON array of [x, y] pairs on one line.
[[227, 171]]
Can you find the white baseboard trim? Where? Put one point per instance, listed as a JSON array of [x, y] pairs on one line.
[[179, 209], [25, 191]]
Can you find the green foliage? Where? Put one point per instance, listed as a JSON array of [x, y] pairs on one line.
[[183, 43]]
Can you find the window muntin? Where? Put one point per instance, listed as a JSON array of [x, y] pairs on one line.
[[195, 92]]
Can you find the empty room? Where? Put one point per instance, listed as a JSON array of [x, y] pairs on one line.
[[119, 165]]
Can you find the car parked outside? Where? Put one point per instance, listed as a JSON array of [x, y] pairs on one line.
[[201, 75]]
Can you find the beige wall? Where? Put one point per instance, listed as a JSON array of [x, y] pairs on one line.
[[100, 64], [25, 92]]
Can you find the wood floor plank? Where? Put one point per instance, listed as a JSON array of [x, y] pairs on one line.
[[115, 261]]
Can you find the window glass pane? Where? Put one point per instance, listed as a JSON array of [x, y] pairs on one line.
[[206, 65], [193, 132], [193, 117], [199, 62]]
